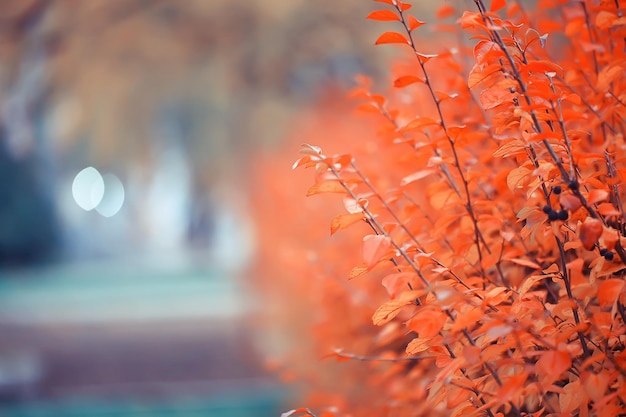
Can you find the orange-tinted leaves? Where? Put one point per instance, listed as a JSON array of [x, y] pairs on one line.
[[608, 75], [511, 148], [383, 15], [609, 291], [605, 19], [511, 387], [344, 220], [590, 232], [397, 283], [427, 322], [518, 176], [471, 354], [552, 363], [497, 5], [417, 345], [608, 209], [326, 187], [419, 123], [445, 11], [570, 399], [392, 37], [569, 202], [389, 310], [417, 176], [374, 248], [407, 80], [544, 67], [529, 283], [595, 385], [596, 196], [357, 271], [396, 3], [414, 23]]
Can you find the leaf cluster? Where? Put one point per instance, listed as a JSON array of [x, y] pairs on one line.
[[487, 204]]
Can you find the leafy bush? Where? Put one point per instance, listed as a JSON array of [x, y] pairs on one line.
[[485, 191]]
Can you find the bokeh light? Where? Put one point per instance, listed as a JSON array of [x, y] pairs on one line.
[[88, 188], [113, 198]]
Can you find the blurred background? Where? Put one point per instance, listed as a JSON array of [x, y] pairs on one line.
[[126, 130]]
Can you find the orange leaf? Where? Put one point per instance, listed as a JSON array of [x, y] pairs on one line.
[[517, 177], [357, 271], [605, 19], [511, 387], [325, 187], [497, 5], [427, 322], [414, 23], [383, 16], [407, 80], [417, 176], [544, 67], [608, 75], [608, 209], [524, 262], [590, 232], [609, 291], [571, 398], [419, 123], [595, 384], [529, 283], [569, 202], [391, 37], [553, 363], [471, 354], [344, 220], [595, 196], [445, 11], [374, 248], [389, 310], [417, 345], [397, 283]]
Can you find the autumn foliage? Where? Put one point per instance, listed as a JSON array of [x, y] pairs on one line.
[[477, 258]]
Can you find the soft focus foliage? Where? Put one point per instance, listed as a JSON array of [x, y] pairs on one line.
[[476, 266]]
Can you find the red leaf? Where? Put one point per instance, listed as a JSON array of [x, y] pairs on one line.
[[590, 232], [325, 187], [414, 23], [374, 248], [407, 80], [344, 220], [497, 5], [609, 291], [383, 16], [391, 37]]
